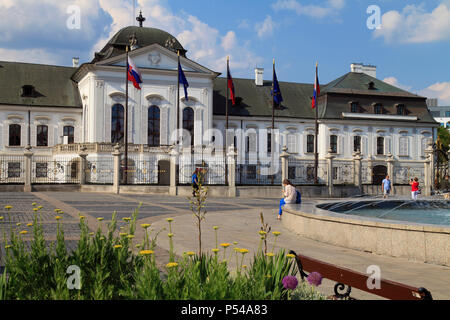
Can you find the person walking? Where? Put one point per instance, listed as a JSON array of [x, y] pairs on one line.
[[386, 187], [289, 196], [195, 182], [414, 188]]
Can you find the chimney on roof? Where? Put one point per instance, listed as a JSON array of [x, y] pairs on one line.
[[75, 62], [259, 76], [361, 68]]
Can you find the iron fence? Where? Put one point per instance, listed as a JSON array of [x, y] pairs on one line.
[[46, 170], [12, 169], [151, 170], [99, 171], [266, 174], [302, 171], [343, 172], [212, 169]]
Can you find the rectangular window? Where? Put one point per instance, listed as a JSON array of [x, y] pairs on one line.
[[269, 142], [41, 169], [335, 173], [13, 169], [447, 114], [42, 136], [380, 145], [401, 111], [14, 135], [291, 173], [69, 132], [357, 143], [403, 146], [333, 143], [378, 109], [354, 107], [310, 143]]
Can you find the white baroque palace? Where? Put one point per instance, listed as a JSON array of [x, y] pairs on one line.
[[62, 111]]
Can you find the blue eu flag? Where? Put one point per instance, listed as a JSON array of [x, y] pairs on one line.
[[276, 92], [183, 80]]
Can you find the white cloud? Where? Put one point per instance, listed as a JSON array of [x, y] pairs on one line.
[[440, 90], [40, 56], [394, 82], [265, 28], [330, 8], [415, 25]]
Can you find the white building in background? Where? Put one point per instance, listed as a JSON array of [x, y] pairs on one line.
[[57, 110]]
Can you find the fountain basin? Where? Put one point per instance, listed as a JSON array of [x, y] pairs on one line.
[[415, 240]]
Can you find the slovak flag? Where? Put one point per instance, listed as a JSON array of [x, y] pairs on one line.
[[316, 90], [133, 74]]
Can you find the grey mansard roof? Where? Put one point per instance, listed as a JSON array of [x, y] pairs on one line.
[[53, 85]]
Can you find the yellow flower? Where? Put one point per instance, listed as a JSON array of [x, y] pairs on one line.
[[215, 250], [40, 207], [130, 236], [57, 210], [276, 233], [1, 218], [23, 232], [34, 204], [58, 217], [170, 235], [215, 227], [29, 224], [244, 266], [8, 207], [235, 242], [100, 219], [123, 234], [146, 252], [8, 246], [269, 276], [117, 246], [290, 256], [262, 232], [91, 233], [138, 245], [190, 253], [225, 245], [102, 238], [18, 224], [145, 225], [243, 251], [126, 219], [169, 219], [82, 217], [171, 265], [269, 254], [35, 209], [237, 249]]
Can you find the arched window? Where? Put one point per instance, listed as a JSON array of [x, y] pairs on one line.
[[14, 134], [42, 136], [68, 131], [153, 129], [357, 143], [117, 124], [188, 122], [310, 143]]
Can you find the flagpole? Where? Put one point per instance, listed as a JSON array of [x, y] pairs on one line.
[[178, 99], [272, 138], [226, 105], [125, 118], [316, 154]]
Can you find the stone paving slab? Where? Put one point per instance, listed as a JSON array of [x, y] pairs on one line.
[[238, 220]]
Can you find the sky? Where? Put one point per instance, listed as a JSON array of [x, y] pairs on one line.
[[408, 41]]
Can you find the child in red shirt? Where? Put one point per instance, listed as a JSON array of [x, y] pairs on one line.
[[414, 188]]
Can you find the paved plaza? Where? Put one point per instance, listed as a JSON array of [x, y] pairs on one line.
[[238, 220]]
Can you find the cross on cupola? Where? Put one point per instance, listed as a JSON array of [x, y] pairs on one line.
[[140, 18]]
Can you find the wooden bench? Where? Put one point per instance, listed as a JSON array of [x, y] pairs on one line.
[[351, 279]]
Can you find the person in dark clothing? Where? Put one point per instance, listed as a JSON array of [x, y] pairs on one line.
[[195, 182]]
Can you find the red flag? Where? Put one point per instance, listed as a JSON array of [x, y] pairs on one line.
[[230, 85]]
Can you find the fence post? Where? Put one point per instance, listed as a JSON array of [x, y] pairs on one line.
[[357, 170], [116, 182], [174, 154], [83, 155], [284, 164], [28, 168], [390, 170], [429, 170], [231, 155], [329, 158]]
